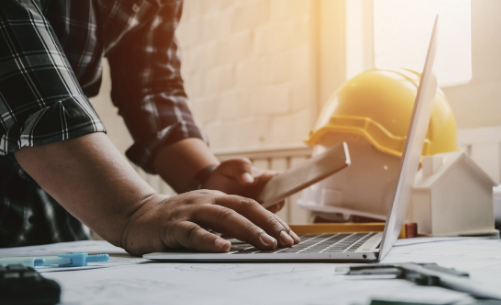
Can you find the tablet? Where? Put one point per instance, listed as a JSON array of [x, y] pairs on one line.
[[305, 174]]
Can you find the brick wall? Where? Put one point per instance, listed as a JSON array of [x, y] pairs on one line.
[[249, 70]]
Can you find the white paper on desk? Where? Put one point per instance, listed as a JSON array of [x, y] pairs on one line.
[[451, 248], [89, 246], [267, 283], [243, 284], [117, 254], [428, 240]]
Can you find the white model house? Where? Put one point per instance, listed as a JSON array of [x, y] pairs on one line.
[[452, 195]]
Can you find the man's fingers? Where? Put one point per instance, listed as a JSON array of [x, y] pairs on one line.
[[276, 207], [263, 218], [226, 220], [246, 178], [266, 176], [289, 231], [192, 236], [239, 169]]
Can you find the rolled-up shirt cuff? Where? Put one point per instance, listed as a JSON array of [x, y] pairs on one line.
[[143, 153], [66, 119]]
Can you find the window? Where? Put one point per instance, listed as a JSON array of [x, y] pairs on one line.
[[401, 31]]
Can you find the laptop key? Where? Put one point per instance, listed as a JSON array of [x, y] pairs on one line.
[[246, 251], [319, 243]]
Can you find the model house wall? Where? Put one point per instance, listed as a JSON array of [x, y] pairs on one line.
[[452, 195]]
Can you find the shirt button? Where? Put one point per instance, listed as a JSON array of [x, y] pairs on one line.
[[135, 8]]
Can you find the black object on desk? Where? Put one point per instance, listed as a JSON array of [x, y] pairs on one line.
[[429, 274], [475, 302], [20, 285]]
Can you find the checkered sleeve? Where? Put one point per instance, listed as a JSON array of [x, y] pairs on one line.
[[41, 101], [146, 83]]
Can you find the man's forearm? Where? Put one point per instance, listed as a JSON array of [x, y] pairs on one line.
[[179, 163], [91, 179], [94, 182]]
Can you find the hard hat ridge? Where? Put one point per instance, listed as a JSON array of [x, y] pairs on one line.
[[377, 105]]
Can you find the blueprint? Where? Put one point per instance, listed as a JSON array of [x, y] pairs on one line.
[[131, 280]]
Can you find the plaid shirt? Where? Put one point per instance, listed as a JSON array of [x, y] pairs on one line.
[[50, 64]]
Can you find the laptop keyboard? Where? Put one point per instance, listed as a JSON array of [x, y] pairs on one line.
[[314, 243]]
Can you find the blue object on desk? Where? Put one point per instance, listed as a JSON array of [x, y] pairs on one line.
[[77, 259], [25, 261]]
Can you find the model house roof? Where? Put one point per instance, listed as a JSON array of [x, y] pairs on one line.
[[435, 167]]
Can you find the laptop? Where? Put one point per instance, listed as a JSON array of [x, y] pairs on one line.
[[353, 247]]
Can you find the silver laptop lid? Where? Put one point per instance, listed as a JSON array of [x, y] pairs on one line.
[[416, 134]]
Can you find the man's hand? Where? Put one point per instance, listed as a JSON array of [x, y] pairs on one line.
[[94, 182], [183, 221], [238, 176], [179, 163]]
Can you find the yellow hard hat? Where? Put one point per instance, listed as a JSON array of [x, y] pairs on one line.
[[377, 105]]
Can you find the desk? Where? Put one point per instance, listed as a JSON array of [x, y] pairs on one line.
[[136, 281]]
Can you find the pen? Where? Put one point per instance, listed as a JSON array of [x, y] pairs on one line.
[[76, 259]]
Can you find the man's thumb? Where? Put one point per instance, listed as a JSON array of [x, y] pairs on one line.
[[247, 178]]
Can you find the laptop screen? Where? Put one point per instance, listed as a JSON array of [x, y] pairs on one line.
[[416, 134]]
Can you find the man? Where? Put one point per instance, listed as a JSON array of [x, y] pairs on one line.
[[50, 63]]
